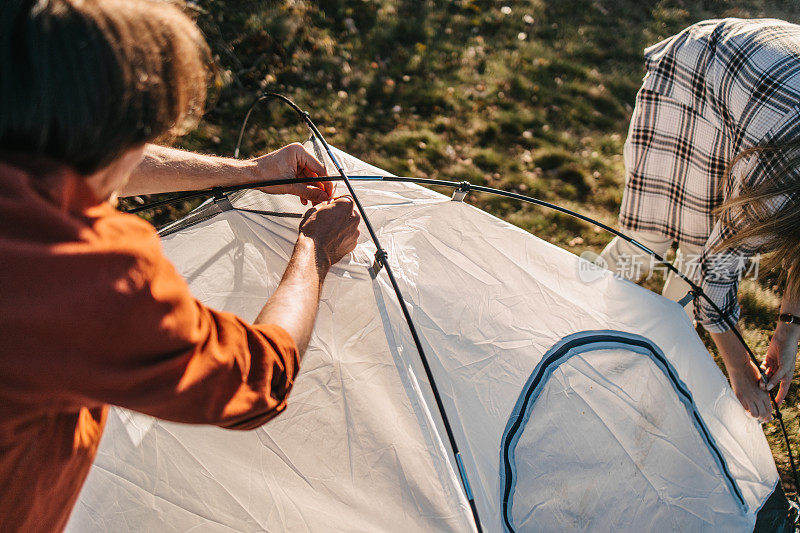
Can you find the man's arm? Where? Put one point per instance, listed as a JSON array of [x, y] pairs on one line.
[[161, 352], [326, 235], [169, 170]]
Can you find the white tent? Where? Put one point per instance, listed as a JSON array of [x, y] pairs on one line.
[[580, 402]]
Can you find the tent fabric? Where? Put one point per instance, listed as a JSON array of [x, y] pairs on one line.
[[618, 437]]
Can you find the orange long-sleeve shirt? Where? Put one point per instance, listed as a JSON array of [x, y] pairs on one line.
[[91, 314]]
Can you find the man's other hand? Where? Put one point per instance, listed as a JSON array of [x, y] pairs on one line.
[[293, 161], [333, 228]]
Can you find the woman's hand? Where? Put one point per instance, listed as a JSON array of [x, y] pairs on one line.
[[744, 375], [293, 161], [781, 356], [746, 384]]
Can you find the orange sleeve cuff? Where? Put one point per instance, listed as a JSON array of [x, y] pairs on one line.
[[284, 346], [285, 365]]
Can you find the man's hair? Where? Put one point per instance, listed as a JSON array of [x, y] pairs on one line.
[[83, 81]]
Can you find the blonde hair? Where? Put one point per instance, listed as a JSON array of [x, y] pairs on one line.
[[768, 212]]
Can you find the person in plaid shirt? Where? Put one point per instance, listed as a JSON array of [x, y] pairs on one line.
[[713, 165]]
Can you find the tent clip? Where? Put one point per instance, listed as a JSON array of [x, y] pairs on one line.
[[221, 199], [380, 259], [460, 192], [686, 300]]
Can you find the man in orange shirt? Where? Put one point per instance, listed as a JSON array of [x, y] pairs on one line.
[[91, 312]]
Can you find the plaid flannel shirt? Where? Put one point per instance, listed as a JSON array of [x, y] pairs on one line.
[[712, 91]]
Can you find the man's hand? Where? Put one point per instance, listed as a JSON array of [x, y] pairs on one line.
[[781, 357], [293, 161], [327, 233], [333, 228]]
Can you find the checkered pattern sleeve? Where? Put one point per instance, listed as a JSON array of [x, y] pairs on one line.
[[720, 274]]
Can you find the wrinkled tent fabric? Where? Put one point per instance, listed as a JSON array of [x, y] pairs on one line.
[[635, 429]]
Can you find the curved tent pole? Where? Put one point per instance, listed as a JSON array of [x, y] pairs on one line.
[[463, 186]]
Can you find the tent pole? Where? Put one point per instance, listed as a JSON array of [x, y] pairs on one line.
[[382, 259]]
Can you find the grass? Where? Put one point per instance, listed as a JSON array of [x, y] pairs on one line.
[[533, 97]]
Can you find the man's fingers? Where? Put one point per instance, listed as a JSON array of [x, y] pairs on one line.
[[310, 167], [306, 160], [326, 186], [307, 215], [316, 195], [324, 189], [345, 203], [352, 242]]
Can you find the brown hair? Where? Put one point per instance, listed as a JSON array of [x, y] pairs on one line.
[[85, 80], [761, 214]]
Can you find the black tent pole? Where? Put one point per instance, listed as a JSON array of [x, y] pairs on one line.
[[382, 262]]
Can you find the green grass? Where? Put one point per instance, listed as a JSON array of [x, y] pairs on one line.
[[536, 100]]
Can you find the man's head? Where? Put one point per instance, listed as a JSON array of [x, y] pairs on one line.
[[86, 81]]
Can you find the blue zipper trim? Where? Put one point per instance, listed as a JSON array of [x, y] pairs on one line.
[[565, 349]]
